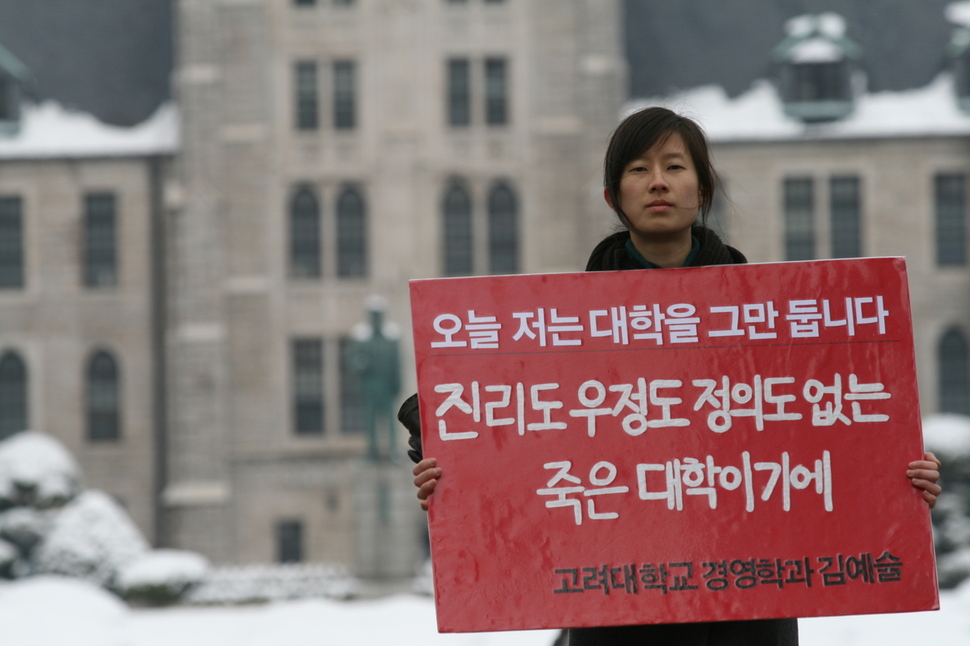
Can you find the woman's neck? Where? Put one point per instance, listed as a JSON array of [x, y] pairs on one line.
[[664, 252]]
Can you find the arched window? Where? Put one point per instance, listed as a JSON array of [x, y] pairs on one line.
[[103, 398], [13, 394], [351, 234], [304, 234], [954, 366], [503, 235], [457, 241]]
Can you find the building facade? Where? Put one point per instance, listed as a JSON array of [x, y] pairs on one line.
[[180, 315], [332, 151]]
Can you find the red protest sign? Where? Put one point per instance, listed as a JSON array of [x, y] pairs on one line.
[[709, 443]]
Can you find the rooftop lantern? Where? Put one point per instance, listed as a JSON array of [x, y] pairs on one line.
[[13, 75], [959, 52], [817, 63]]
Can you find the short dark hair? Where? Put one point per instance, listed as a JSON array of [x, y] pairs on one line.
[[643, 130]]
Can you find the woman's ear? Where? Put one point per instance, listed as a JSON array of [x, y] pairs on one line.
[[606, 196]]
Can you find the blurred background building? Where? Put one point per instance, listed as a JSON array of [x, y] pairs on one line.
[[198, 196]]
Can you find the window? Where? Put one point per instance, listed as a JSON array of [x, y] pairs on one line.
[[496, 92], [954, 373], [457, 225], [100, 259], [289, 541], [503, 238], [344, 104], [951, 204], [11, 243], [799, 219], [819, 81], [459, 92], [13, 394], [845, 211], [307, 109], [9, 99], [351, 234], [304, 234], [308, 386], [351, 396], [103, 399]]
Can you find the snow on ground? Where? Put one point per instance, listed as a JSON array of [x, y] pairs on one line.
[[46, 610], [48, 130]]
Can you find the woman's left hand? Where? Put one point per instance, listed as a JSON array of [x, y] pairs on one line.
[[924, 475]]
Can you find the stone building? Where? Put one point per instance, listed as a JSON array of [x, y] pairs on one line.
[[816, 166], [332, 151], [176, 308]]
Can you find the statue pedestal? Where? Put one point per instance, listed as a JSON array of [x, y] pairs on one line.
[[388, 523]]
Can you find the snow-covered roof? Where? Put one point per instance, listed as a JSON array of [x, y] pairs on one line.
[[816, 38], [758, 114], [958, 13], [48, 130]]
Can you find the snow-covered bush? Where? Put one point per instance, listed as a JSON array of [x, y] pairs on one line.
[[37, 471], [161, 577], [948, 436], [9, 554], [91, 538], [48, 525], [258, 583]]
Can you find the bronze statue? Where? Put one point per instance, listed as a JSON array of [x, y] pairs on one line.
[[374, 356]]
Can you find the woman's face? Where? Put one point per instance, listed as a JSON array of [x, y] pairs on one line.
[[659, 193]]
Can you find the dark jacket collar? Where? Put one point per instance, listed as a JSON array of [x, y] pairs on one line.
[[611, 254]]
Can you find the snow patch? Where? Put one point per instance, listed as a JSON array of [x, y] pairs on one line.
[[174, 569], [828, 24], [255, 583], [91, 538], [758, 114], [48, 130], [43, 611], [38, 463], [46, 611], [958, 13], [816, 50], [947, 435]]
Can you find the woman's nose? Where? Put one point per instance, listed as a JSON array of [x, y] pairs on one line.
[[658, 182]]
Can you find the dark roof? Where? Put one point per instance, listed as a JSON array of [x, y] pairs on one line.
[[683, 44], [112, 58]]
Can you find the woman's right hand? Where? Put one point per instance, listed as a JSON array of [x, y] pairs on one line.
[[426, 474]]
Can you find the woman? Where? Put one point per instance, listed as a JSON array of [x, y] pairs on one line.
[[658, 178]]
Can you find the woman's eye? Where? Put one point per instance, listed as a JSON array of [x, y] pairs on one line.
[[675, 167], [638, 169]]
